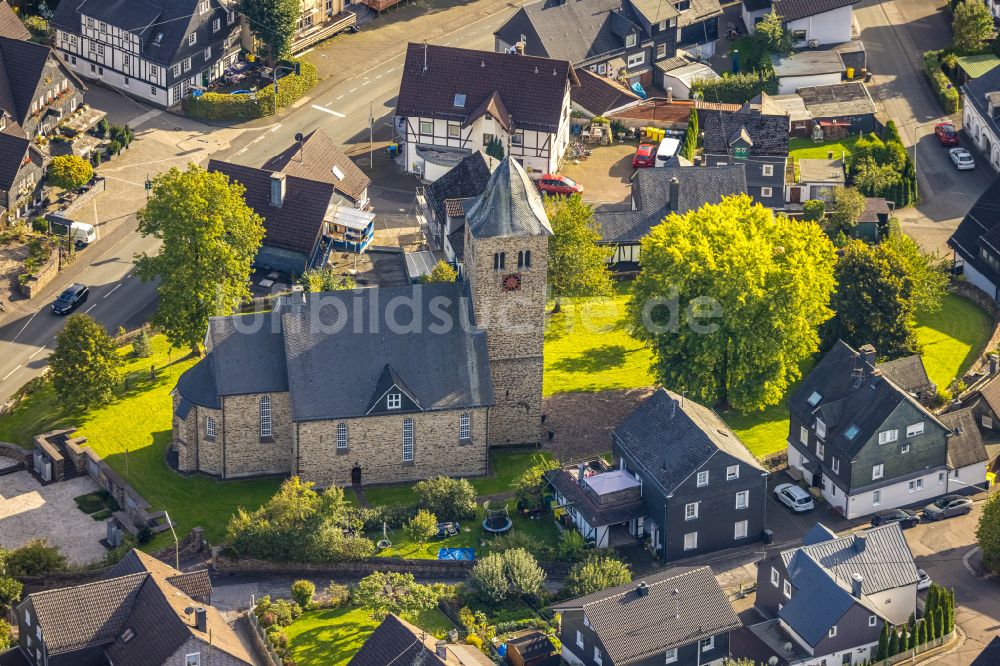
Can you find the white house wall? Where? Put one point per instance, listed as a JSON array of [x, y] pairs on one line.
[[832, 27], [899, 494], [971, 475], [982, 135], [896, 604], [787, 85], [979, 280]]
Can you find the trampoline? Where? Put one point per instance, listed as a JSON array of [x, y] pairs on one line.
[[497, 520]]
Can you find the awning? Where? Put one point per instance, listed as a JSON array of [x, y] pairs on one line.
[[834, 123], [350, 217]]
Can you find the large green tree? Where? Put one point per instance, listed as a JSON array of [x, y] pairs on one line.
[[730, 298], [577, 262], [596, 573], [384, 592], [85, 365], [773, 35], [69, 172], [927, 271], [273, 22], [873, 301], [210, 236], [846, 208], [972, 25], [988, 534]]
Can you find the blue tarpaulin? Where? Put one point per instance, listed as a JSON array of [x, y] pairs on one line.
[[456, 553], [637, 89]]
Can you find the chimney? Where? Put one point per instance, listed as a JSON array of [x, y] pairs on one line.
[[860, 541], [441, 650], [579, 474], [642, 589], [675, 193], [857, 580], [994, 363], [200, 619], [277, 189], [519, 48], [298, 294], [670, 94], [868, 354]]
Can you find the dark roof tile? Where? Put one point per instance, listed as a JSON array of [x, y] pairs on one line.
[[466, 179], [793, 10], [573, 31], [10, 24], [509, 206], [316, 158], [768, 133], [965, 446], [599, 94]]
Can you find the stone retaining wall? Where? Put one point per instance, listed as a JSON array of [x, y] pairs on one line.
[[14, 451], [37, 281]]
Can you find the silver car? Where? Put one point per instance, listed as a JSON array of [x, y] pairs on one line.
[[962, 159], [948, 506], [794, 497]]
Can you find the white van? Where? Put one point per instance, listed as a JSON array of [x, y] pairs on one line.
[[668, 148], [82, 234]]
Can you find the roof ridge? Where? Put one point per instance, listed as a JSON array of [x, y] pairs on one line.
[[93, 583], [634, 584]]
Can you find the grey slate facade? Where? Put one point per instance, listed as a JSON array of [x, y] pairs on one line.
[[759, 142]]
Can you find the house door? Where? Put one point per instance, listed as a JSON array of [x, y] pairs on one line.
[[795, 195], [356, 475]]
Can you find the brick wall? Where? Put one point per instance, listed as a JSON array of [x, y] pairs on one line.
[[375, 443], [246, 453]]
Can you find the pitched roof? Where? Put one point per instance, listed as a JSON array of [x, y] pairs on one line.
[[874, 206], [531, 89], [840, 99], [22, 65], [671, 437], [243, 362], [298, 224], [599, 94], [466, 179], [573, 31], [818, 602], [10, 24], [318, 157], [196, 386], [792, 10], [908, 373], [697, 186], [764, 104], [633, 626], [979, 229], [978, 64], [509, 206], [13, 146], [399, 643], [965, 445], [768, 133], [654, 11], [817, 534]]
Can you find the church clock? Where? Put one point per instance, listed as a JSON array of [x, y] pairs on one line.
[[511, 282]]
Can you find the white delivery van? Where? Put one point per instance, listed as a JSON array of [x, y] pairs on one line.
[[668, 148], [82, 234]]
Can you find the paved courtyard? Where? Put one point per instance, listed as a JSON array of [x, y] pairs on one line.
[[29, 511]]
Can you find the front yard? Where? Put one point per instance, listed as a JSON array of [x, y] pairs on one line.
[[952, 338]]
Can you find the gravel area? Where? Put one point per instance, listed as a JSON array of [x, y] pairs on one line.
[[29, 511]]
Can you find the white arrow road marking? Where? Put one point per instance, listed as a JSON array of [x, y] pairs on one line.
[[330, 111]]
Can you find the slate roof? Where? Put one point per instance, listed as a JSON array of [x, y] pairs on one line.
[[531, 89], [850, 98], [845, 401], [979, 229], [634, 626], [10, 25], [792, 10], [315, 159], [908, 373], [573, 31], [246, 360], [509, 206], [672, 440], [13, 145], [196, 385], [764, 104], [599, 94], [396, 641], [466, 179], [817, 534], [698, 185], [22, 65], [885, 562], [818, 602], [769, 133], [874, 206], [594, 513], [965, 446], [298, 224]]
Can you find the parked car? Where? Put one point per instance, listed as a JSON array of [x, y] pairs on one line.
[[962, 159], [948, 506], [72, 298], [554, 184], [645, 156], [904, 517], [923, 580], [946, 134], [794, 497]]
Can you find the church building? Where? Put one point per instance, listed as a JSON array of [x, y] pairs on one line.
[[383, 384]]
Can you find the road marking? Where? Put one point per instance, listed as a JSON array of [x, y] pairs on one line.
[[390, 71], [149, 115], [365, 83], [11, 372], [351, 90], [965, 558], [340, 97], [241, 150], [380, 76], [112, 291], [275, 128], [90, 308], [26, 324], [37, 352], [330, 111]]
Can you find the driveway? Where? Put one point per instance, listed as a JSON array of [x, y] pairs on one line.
[[30, 511]]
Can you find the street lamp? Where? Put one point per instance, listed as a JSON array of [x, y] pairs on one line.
[[295, 68]]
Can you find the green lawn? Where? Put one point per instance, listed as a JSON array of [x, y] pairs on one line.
[[587, 348], [805, 148], [139, 422], [951, 338], [332, 637]]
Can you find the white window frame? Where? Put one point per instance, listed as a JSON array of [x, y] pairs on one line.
[[342, 436], [265, 416], [888, 436], [216, 25], [707, 644], [423, 124], [192, 662], [877, 497], [407, 440], [745, 496], [177, 69], [630, 41], [465, 426], [732, 472], [394, 401], [775, 577], [872, 620], [820, 428], [230, 18], [670, 656], [914, 429], [661, 51], [766, 192], [878, 472], [745, 524], [210, 427], [579, 638], [833, 632], [767, 170], [699, 479], [636, 59], [835, 464], [517, 138], [803, 435], [454, 130], [203, 6], [941, 477], [597, 656], [820, 450], [208, 53], [786, 589], [905, 448], [691, 511], [192, 39], [691, 541]]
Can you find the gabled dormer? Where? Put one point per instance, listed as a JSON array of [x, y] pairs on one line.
[[392, 395], [740, 143]]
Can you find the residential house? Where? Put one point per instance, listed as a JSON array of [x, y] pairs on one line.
[[873, 224], [156, 50], [860, 434], [302, 218], [677, 76], [976, 241], [432, 384], [319, 20], [817, 179], [673, 616], [141, 612], [805, 69], [812, 23], [532, 648], [657, 192], [827, 600], [445, 199], [598, 95], [976, 65], [454, 101], [759, 142], [318, 157], [37, 90], [840, 109], [396, 641], [981, 109]]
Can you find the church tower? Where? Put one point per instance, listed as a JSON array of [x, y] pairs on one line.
[[506, 259]]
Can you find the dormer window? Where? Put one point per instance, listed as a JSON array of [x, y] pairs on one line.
[[682, 5], [820, 428], [629, 41], [460, 100], [394, 401]]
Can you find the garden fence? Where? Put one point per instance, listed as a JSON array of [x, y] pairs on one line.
[[907, 655], [260, 637]]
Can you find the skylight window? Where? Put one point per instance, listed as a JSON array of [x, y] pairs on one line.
[[460, 100], [852, 432], [127, 635], [814, 399], [337, 172]]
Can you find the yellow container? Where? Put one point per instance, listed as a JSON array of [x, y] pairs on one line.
[[850, 72]]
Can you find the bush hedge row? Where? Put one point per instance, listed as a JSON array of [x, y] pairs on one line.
[[222, 106], [946, 93], [737, 88]]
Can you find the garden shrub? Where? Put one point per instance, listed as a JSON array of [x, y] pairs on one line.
[[596, 573], [337, 595], [35, 558], [736, 88], [507, 575], [515, 539], [303, 591], [946, 93], [813, 210], [447, 498], [280, 612], [422, 527], [223, 106], [571, 546]]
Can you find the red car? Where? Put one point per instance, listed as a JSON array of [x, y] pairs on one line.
[[554, 184], [946, 134], [645, 156]]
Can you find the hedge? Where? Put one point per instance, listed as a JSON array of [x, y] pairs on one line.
[[221, 106], [946, 93], [737, 88]]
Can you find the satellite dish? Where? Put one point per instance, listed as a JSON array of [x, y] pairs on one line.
[[773, 661], [788, 646], [299, 137]]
